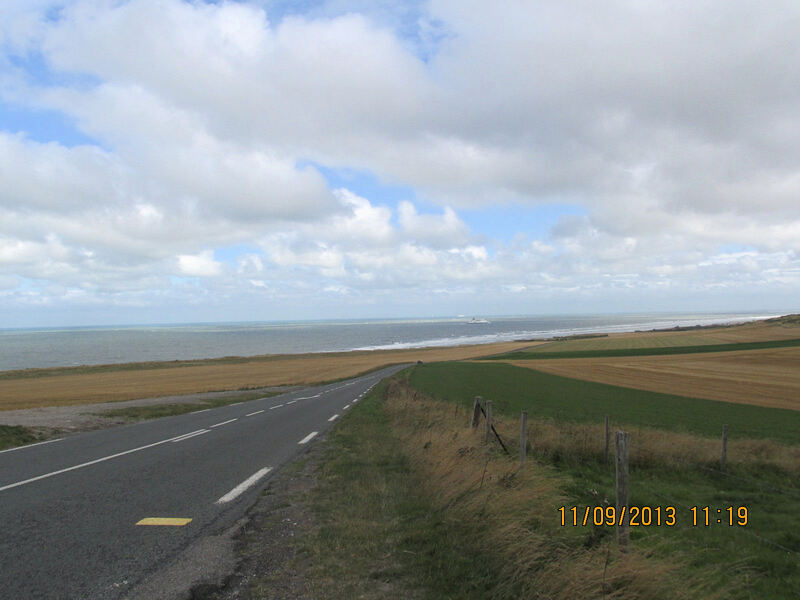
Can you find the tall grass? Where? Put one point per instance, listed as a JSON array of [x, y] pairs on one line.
[[510, 516]]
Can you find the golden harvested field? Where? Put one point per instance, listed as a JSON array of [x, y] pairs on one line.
[[769, 377], [760, 331], [62, 387]]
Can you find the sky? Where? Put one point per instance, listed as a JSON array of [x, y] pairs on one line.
[[183, 161]]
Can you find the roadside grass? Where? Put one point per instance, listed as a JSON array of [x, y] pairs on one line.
[[378, 535], [546, 352], [674, 462], [155, 411], [14, 435]]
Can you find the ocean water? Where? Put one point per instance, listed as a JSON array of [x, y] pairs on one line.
[[28, 348]]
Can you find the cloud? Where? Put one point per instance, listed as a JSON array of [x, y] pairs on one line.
[[674, 129], [199, 265]]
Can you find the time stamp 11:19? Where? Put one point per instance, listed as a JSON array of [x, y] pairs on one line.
[[648, 516]]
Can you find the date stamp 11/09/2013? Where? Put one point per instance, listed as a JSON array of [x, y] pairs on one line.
[[653, 516]]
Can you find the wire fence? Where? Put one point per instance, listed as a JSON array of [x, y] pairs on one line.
[[726, 473]]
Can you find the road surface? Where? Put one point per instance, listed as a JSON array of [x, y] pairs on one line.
[[95, 515]]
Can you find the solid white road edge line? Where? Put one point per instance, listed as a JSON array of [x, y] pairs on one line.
[[254, 413], [224, 422], [308, 438], [333, 418], [199, 411], [30, 445], [91, 462], [240, 489]]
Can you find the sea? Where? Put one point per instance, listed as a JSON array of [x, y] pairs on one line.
[[72, 346]]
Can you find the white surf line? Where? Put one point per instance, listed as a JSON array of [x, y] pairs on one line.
[[91, 462], [333, 418], [276, 406], [30, 445], [199, 411], [224, 422], [190, 435], [254, 413], [240, 489], [308, 438]]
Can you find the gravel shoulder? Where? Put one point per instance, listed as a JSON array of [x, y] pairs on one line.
[[85, 417]]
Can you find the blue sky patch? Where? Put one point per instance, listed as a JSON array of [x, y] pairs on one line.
[[229, 254]]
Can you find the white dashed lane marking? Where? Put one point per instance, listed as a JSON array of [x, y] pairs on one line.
[[190, 435], [242, 487], [308, 438]]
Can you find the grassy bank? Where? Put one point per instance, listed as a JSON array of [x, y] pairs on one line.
[[14, 435], [378, 534]]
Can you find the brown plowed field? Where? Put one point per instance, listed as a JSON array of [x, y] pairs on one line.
[[64, 387], [768, 377], [759, 331]]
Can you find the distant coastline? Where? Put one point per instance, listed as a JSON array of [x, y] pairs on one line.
[[63, 347]]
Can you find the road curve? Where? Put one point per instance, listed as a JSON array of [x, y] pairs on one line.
[[94, 515]]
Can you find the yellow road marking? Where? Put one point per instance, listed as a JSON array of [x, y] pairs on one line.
[[168, 521]]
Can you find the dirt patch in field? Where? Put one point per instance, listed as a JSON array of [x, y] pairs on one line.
[[115, 383], [761, 377]]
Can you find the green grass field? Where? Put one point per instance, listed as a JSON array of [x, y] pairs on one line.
[[761, 558], [514, 389], [547, 351]]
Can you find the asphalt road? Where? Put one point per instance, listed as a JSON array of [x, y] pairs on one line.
[[69, 509]]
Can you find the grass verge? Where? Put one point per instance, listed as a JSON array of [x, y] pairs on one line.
[[155, 411], [378, 536], [14, 435]]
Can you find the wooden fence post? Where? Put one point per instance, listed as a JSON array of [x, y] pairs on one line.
[[724, 458], [488, 420], [476, 412], [608, 438], [622, 445], [523, 438]]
